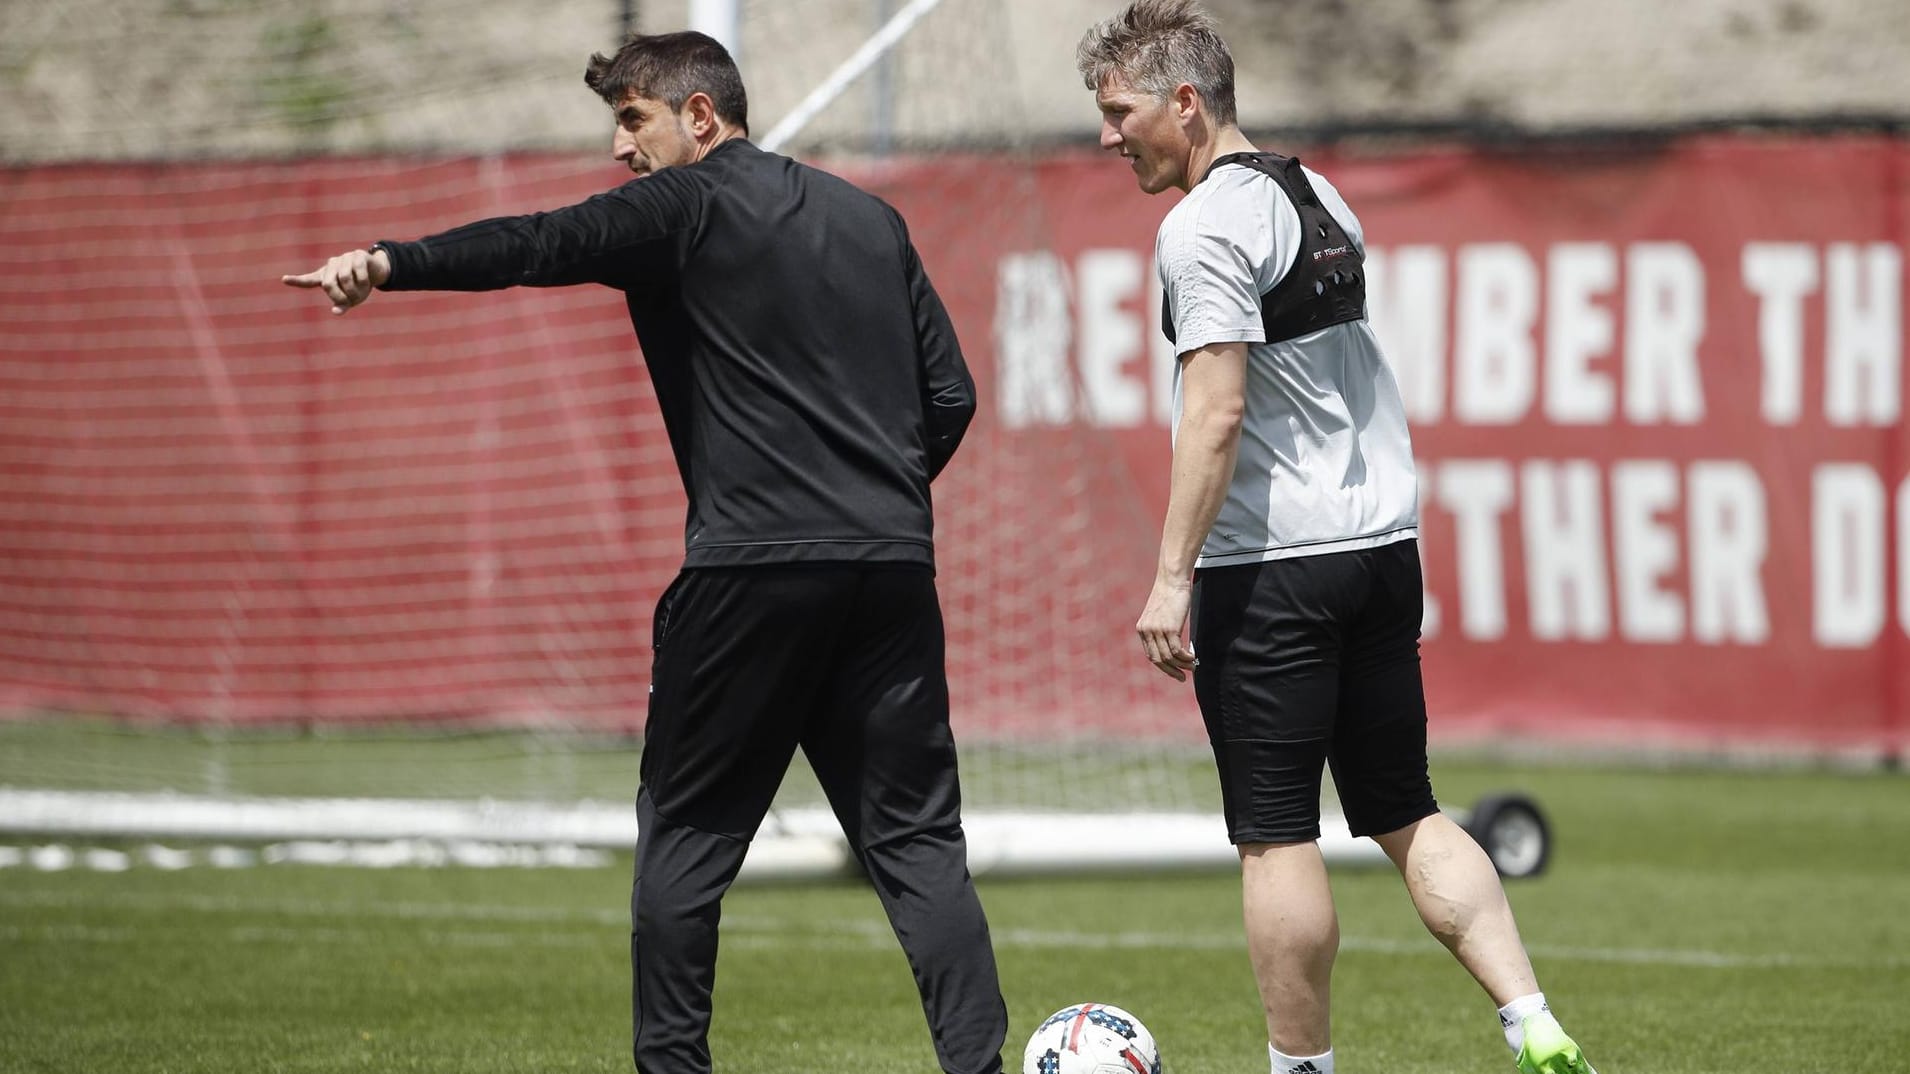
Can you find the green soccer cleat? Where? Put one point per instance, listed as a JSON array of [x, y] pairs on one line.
[[1547, 1050]]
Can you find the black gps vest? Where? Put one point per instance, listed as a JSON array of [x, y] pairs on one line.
[[1326, 284]]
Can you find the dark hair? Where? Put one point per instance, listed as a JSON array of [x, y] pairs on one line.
[[670, 68], [1154, 46]]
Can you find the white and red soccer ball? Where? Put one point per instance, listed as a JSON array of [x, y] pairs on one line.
[[1091, 1038]]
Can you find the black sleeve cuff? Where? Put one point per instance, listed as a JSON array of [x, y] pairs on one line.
[[393, 253]]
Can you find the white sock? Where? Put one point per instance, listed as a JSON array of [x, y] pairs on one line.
[[1517, 1011], [1300, 1064]]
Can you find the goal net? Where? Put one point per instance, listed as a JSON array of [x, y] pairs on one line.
[[252, 549]]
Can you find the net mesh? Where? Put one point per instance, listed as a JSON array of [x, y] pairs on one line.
[[414, 550]]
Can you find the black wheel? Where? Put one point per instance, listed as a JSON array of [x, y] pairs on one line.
[[1513, 832]]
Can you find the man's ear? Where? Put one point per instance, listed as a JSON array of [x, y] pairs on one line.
[[1186, 101], [702, 112]]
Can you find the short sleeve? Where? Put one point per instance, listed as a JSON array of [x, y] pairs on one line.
[[1219, 251], [1208, 277]]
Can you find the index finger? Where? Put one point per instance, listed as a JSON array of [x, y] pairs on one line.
[[306, 279]]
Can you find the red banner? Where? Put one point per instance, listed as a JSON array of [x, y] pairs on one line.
[[1657, 396]]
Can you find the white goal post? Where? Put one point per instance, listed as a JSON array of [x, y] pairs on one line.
[[845, 75], [795, 843]]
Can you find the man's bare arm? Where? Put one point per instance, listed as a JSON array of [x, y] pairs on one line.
[[1206, 445]]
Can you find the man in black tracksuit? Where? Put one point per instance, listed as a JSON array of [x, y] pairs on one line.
[[811, 385]]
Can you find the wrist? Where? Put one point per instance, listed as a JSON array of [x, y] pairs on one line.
[[380, 258]]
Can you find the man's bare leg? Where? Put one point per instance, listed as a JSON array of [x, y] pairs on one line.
[[1293, 935], [1458, 895]]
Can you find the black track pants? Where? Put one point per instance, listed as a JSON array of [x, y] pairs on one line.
[[847, 663]]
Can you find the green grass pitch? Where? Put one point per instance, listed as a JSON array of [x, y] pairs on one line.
[[1693, 921]]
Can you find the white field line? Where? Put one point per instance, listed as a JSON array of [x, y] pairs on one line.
[[228, 904], [305, 937], [762, 932]]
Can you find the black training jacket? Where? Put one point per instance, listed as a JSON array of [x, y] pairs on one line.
[[810, 381]]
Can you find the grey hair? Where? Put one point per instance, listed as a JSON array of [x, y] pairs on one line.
[[1154, 46]]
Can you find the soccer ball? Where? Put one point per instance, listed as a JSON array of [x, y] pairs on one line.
[[1091, 1038]]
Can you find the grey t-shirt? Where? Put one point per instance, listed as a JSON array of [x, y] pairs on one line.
[[1326, 464]]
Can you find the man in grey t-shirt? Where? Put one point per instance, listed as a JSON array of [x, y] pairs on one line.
[[1291, 541]]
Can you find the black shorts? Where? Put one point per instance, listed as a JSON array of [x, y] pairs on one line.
[[1308, 661]]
